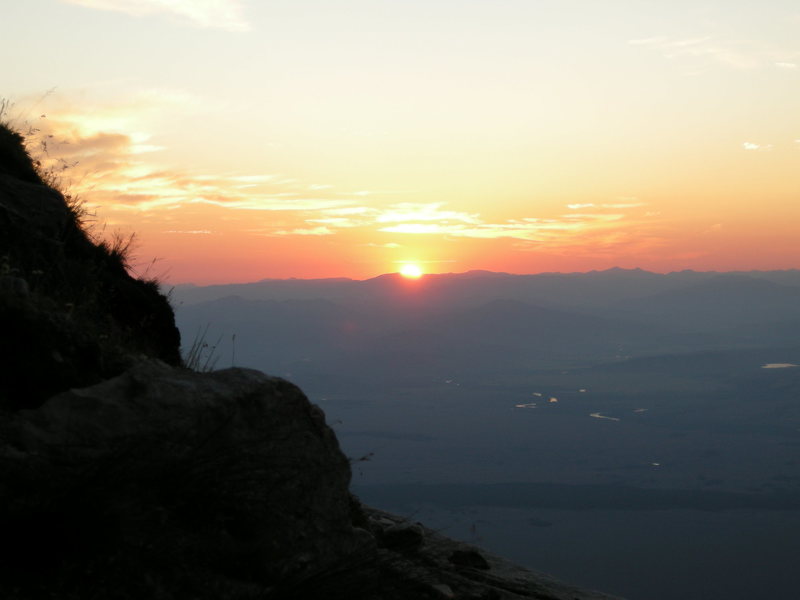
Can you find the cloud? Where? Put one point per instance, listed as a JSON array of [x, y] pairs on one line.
[[433, 219], [72, 143], [756, 147], [530, 229], [313, 231], [403, 217], [735, 54], [225, 199], [422, 228], [222, 14], [365, 193], [425, 262], [130, 185], [337, 222], [623, 205], [252, 179], [349, 210], [408, 211], [102, 154], [109, 171], [390, 245]]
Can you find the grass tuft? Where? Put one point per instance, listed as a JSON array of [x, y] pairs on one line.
[[201, 355]]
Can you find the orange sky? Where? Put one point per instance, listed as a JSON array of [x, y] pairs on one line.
[[251, 140]]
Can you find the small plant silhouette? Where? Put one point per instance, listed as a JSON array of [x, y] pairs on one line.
[[201, 355]]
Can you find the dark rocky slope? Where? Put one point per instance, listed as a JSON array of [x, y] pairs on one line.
[[124, 475], [70, 313]]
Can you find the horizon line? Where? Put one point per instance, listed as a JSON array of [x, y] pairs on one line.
[[488, 272]]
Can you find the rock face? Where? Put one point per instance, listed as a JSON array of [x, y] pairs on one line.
[[166, 479], [434, 566], [68, 307]]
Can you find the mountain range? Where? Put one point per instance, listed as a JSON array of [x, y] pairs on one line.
[[390, 328]]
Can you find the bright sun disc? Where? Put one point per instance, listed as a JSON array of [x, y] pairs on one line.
[[412, 271]]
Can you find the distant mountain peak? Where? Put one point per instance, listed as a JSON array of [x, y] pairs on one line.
[[623, 270]]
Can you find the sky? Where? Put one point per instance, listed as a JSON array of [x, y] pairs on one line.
[[243, 140]]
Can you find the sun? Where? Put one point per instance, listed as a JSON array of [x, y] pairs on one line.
[[411, 271]]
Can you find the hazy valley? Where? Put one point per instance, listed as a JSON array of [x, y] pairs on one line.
[[629, 431]]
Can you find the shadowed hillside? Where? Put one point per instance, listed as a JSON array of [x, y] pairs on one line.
[[68, 306]]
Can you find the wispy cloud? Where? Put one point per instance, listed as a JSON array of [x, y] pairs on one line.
[[734, 54], [751, 146], [623, 205], [390, 245], [564, 229], [222, 14], [225, 199], [434, 219], [337, 222], [408, 211], [120, 171], [105, 155], [301, 231], [349, 210]]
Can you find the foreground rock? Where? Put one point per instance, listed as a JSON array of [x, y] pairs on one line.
[[167, 483], [438, 567]]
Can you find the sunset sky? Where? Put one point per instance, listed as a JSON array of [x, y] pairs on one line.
[[243, 140]]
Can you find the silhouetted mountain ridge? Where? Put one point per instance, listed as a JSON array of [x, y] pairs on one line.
[[479, 321], [591, 289]]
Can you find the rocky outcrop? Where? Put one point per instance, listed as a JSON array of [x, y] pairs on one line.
[[438, 567], [70, 313], [162, 479]]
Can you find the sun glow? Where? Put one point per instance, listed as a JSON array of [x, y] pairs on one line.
[[411, 271]]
